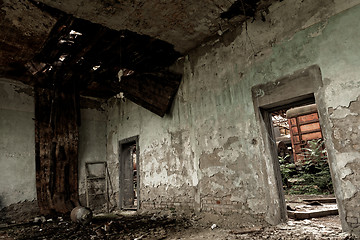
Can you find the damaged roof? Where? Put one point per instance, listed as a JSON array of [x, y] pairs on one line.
[[111, 46]]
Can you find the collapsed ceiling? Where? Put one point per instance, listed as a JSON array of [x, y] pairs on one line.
[[111, 46]]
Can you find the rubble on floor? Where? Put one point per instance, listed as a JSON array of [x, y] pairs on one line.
[[168, 225], [300, 207]]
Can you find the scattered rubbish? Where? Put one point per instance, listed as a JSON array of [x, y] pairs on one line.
[[247, 230], [41, 219], [290, 208], [140, 226], [306, 222], [138, 238]]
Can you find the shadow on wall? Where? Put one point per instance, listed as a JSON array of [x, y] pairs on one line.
[[1, 203]]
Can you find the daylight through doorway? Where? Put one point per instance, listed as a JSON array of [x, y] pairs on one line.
[[303, 161]]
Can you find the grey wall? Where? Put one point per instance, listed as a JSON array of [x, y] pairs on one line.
[[92, 144], [209, 152], [17, 143]]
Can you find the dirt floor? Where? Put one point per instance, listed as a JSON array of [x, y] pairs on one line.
[[163, 225]]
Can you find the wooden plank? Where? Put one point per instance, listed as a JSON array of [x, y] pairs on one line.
[[312, 214], [153, 91], [307, 118], [295, 130], [311, 136], [321, 200], [313, 127], [302, 110]]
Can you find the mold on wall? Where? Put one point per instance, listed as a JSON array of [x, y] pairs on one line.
[[210, 150]]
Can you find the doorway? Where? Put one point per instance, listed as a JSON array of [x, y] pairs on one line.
[[272, 101], [301, 151], [129, 178]]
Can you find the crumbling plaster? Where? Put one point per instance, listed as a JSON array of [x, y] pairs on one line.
[[221, 144]]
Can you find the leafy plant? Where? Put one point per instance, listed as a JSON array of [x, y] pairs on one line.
[[315, 150], [311, 176], [287, 169]]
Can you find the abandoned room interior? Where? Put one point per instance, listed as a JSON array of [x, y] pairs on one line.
[[179, 119]]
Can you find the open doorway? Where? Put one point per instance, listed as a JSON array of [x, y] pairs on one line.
[[302, 156], [295, 142], [301, 151], [129, 179]]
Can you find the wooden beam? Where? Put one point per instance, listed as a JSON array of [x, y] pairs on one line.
[[153, 91], [56, 150]]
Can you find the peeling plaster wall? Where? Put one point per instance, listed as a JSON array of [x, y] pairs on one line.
[[168, 174], [17, 143], [210, 148], [329, 44]]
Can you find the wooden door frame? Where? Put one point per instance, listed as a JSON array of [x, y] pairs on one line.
[[121, 144]]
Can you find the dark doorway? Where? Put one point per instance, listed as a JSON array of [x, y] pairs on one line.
[[129, 179]]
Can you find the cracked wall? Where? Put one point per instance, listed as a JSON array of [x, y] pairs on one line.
[[210, 150], [346, 135]]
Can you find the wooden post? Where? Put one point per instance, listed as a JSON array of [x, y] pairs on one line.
[[56, 146]]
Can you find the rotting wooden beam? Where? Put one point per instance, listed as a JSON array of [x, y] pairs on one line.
[[153, 91], [56, 149]]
